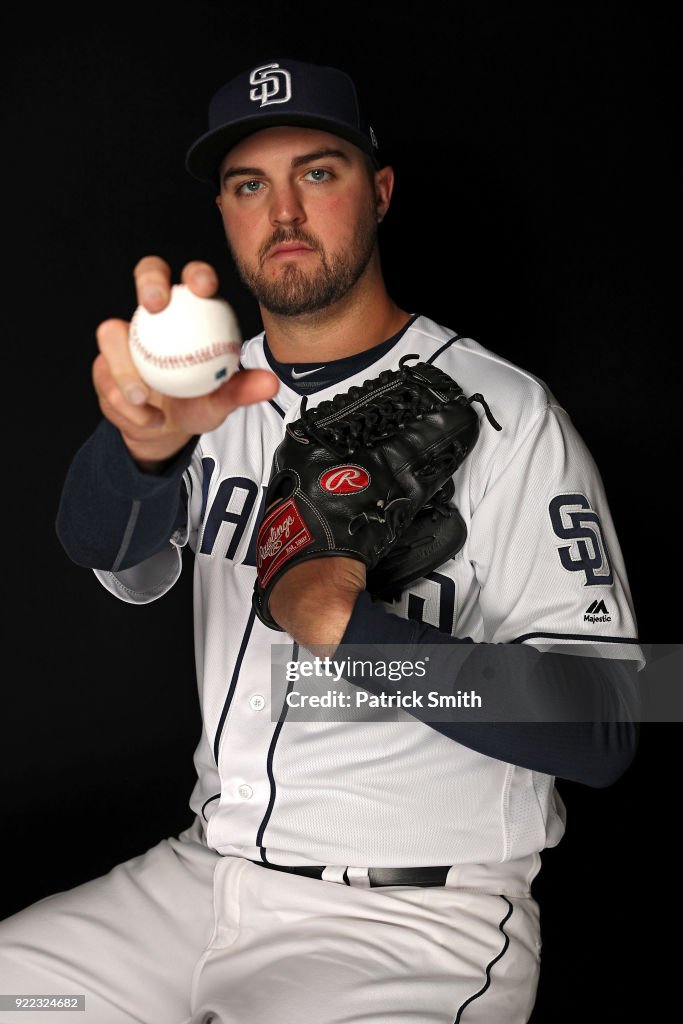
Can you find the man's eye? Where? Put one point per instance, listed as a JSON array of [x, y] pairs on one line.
[[249, 187], [319, 174]]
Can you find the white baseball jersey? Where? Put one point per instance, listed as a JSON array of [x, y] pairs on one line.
[[541, 560]]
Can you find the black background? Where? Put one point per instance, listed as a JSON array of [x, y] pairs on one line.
[[533, 210]]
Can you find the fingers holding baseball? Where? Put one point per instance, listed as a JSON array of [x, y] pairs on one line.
[[200, 277], [152, 276], [184, 417], [119, 387], [172, 372], [154, 425], [246, 387], [153, 281]]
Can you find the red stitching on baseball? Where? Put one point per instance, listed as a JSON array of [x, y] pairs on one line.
[[200, 355]]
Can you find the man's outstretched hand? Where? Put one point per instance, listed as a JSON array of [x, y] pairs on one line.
[[153, 426]]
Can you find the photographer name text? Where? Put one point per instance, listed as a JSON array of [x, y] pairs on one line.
[[340, 699]]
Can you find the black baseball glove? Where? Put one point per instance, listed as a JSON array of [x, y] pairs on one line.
[[436, 534], [352, 474]]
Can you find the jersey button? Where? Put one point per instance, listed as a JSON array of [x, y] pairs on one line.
[[257, 702], [246, 792]]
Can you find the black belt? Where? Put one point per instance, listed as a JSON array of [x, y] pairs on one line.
[[425, 876]]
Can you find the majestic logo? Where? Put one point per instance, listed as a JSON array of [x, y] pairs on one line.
[[271, 84], [573, 519], [597, 612], [345, 480]]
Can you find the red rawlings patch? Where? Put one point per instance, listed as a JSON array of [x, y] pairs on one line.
[[345, 480], [281, 535]]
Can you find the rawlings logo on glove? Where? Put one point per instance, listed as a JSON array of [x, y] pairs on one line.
[[281, 535], [408, 431], [344, 480]]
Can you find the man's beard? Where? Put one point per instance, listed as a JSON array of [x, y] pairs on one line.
[[296, 291]]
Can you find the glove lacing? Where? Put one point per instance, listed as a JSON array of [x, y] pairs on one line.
[[342, 429]]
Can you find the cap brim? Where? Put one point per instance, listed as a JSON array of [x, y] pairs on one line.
[[204, 156]]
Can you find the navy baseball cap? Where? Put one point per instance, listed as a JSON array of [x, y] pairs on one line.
[[280, 92]]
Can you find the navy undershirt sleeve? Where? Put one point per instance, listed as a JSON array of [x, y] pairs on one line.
[[594, 752], [113, 516]]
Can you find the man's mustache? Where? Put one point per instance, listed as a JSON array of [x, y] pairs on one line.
[[281, 236]]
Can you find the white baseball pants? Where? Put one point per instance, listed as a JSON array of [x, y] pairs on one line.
[[181, 935]]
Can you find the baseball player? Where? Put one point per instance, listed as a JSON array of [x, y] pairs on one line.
[[369, 871]]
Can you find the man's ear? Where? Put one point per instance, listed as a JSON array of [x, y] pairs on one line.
[[384, 187]]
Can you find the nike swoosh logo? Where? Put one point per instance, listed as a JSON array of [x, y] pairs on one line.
[[306, 373]]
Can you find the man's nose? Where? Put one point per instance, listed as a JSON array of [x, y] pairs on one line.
[[286, 206]]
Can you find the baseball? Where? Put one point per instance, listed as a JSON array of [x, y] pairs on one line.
[[187, 349]]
